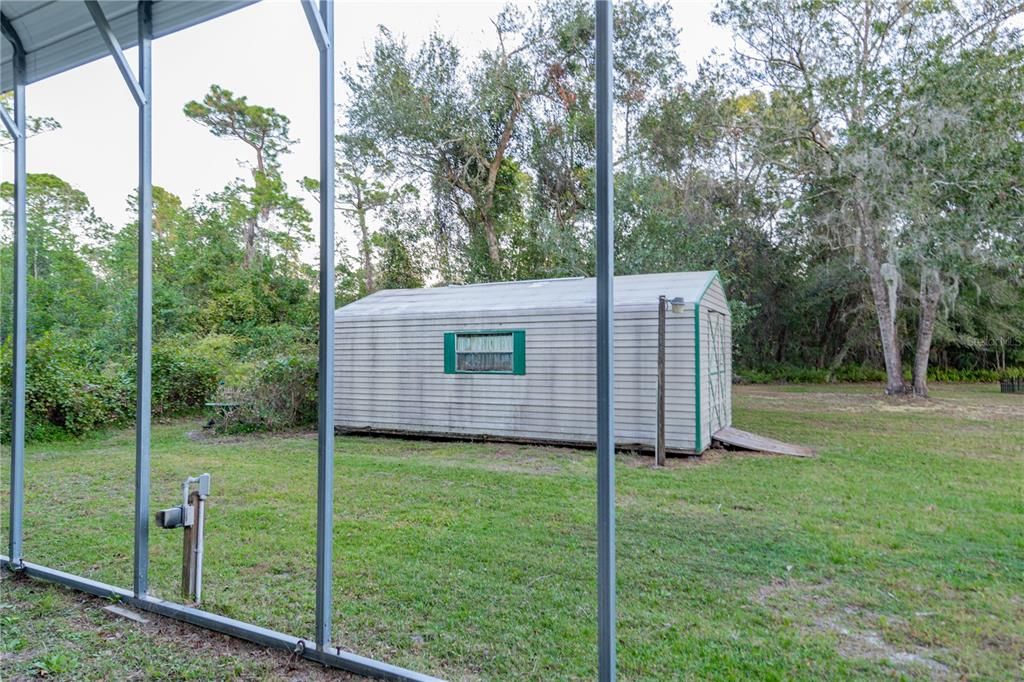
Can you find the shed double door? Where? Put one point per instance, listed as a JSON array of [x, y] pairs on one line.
[[718, 375]]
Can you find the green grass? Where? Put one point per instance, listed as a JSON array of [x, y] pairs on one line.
[[898, 552]]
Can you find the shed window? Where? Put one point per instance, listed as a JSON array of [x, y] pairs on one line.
[[485, 352]]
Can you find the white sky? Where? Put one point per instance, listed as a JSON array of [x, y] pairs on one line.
[[265, 52]]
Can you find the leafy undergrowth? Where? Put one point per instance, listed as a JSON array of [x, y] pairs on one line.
[[899, 551]]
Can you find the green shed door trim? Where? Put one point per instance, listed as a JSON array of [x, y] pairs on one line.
[[698, 443], [449, 352], [518, 351]]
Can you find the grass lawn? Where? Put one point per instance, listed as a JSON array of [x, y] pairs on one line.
[[898, 552]]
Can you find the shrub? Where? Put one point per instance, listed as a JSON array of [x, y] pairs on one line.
[[181, 382], [278, 393], [185, 372], [973, 375], [790, 374], [71, 391], [65, 393]]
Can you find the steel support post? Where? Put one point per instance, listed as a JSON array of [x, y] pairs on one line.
[[659, 446], [17, 498], [605, 351], [325, 383], [144, 338]]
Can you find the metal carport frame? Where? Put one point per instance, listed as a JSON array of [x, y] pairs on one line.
[[321, 20]]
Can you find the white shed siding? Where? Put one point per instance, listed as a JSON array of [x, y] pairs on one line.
[[389, 365]]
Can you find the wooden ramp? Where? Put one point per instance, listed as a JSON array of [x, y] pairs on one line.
[[751, 441]]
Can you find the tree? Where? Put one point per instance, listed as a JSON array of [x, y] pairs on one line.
[[960, 151], [36, 124], [854, 70], [452, 129], [64, 236], [505, 141], [265, 131], [365, 186]]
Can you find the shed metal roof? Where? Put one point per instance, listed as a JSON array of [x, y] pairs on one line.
[[59, 35], [573, 292]]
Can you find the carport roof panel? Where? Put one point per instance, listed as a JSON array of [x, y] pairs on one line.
[[59, 35]]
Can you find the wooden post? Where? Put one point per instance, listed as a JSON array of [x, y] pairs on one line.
[[189, 550], [659, 448]]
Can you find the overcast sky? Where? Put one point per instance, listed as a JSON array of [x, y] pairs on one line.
[[265, 52]]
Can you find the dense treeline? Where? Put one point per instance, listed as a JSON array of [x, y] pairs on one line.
[[855, 170]]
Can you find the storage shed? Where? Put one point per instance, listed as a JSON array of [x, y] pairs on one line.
[[516, 361]]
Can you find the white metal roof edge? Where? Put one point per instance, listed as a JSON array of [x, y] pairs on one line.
[[74, 47], [561, 293]]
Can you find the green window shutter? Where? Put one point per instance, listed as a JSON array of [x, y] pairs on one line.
[[519, 352], [449, 352]]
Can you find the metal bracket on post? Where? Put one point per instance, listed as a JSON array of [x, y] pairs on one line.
[[114, 46], [316, 24], [12, 128], [192, 560], [190, 515]]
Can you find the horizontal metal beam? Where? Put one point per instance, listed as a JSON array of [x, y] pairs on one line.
[[342, 660], [316, 24], [12, 128], [116, 52]]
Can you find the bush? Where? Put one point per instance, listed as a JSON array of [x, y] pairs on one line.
[[279, 393], [951, 374], [185, 372], [791, 374], [71, 391], [65, 393], [181, 382]]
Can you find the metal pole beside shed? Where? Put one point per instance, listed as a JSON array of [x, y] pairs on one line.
[[605, 350]]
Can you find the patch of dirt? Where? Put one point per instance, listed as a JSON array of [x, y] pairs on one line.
[[855, 628], [208, 436], [713, 455]]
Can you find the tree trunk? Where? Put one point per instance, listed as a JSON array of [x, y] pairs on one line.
[[250, 242], [365, 248], [491, 235], [885, 313], [931, 290]]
